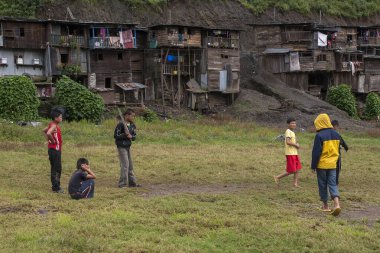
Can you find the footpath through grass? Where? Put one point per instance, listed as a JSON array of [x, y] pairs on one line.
[[255, 216]]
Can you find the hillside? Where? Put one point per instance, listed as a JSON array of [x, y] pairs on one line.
[[216, 14]]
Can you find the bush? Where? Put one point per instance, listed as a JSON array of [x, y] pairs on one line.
[[18, 99], [79, 102], [342, 97], [372, 106], [149, 115]]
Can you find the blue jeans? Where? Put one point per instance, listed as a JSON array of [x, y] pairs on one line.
[[327, 179], [86, 190]]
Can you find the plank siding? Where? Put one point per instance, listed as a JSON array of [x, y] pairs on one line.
[[217, 59], [267, 37], [106, 64], [24, 35]]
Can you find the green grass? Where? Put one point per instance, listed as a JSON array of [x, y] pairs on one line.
[[251, 214], [347, 8]]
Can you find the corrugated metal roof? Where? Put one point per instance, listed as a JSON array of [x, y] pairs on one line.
[[276, 51], [130, 86]]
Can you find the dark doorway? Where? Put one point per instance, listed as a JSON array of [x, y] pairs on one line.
[[319, 83]]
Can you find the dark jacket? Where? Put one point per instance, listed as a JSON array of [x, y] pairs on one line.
[[121, 139]]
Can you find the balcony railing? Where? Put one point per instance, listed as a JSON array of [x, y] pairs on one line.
[[346, 66], [369, 40], [109, 42], [297, 36], [221, 42], [67, 40]]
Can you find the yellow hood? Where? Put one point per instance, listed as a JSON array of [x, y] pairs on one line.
[[322, 122]]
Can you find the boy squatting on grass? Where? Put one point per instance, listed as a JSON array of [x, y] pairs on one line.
[[293, 163], [123, 141], [325, 156], [82, 184], [54, 137], [343, 144]]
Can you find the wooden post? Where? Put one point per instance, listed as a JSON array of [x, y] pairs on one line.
[[172, 87], [162, 79], [189, 55], [179, 79]]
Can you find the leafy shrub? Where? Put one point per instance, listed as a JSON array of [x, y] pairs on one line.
[[18, 99], [342, 97], [71, 70], [372, 106], [149, 115], [79, 102]]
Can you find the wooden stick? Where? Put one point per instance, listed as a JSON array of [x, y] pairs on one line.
[[126, 133]]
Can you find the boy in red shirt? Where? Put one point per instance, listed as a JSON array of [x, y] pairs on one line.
[[54, 137]]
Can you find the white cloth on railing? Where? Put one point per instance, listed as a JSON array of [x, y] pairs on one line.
[[322, 40]]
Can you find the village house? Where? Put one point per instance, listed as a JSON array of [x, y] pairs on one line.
[[23, 52], [310, 57], [193, 66], [116, 62]]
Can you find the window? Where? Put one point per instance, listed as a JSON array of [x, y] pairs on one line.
[[107, 83], [224, 56], [22, 32], [349, 38], [321, 57], [120, 56], [64, 58], [100, 57], [306, 54]]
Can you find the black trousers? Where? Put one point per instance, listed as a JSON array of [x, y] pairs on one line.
[[55, 168]]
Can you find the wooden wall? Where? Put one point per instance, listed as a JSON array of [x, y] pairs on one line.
[[169, 36], [295, 80], [329, 64], [274, 63], [217, 59], [372, 65], [137, 65], [28, 55], [346, 78], [24, 35], [110, 66], [373, 83], [267, 37], [341, 39]]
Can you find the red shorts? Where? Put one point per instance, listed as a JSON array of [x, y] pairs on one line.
[[293, 163]]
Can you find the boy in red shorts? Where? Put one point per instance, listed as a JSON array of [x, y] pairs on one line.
[[293, 164]]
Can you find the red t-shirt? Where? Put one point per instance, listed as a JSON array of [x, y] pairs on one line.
[[56, 136]]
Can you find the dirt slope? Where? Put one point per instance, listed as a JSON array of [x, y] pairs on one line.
[[266, 99]]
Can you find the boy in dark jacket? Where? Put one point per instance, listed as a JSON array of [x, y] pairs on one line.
[[325, 156], [343, 144], [123, 141]]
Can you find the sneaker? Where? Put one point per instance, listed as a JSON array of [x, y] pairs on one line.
[[134, 185], [59, 191], [122, 186]]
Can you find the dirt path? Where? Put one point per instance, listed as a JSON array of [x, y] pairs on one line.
[[172, 189]]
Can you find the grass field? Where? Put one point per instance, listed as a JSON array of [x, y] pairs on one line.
[[208, 187]]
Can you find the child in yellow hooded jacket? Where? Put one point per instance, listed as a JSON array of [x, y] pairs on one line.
[[325, 155]]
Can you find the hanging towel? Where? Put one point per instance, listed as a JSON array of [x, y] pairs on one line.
[[127, 37], [103, 32], [294, 61], [353, 70], [322, 40]]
